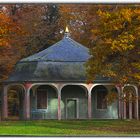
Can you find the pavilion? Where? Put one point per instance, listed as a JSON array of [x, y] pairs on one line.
[[52, 84]]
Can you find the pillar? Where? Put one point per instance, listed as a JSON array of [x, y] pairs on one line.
[[137, 108], [124, 103], [130, 108], [59, 106], [137, 103], [124, 110], [89, 106], [119, 108], [119, 88], [5, 103], [27, 101]]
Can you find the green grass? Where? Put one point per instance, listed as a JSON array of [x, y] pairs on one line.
[[71, 128]]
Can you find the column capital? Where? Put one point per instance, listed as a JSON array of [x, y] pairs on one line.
[[119, 85], [27, 85]]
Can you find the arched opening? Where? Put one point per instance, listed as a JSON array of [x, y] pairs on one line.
[[74, 102], [129, 102], [15, 97], [104, 103], [43, 102]]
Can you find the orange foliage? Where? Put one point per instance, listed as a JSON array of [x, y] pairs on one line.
[[8, 29]]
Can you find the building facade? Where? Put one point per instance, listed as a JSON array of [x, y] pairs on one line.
[[52, 84]]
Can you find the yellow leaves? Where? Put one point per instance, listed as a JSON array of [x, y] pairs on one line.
[[135, 65], [99, 12], [117, 33], [126, 14], [103, 14], [137, 76], [115, 25], [123, 42], [95, 31], [116, 20], [137, 12], [111, 74], [108, 41]]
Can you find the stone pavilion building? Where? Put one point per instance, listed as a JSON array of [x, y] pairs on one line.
[[52, 84]]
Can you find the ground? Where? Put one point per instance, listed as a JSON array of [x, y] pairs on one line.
[[71, 128]]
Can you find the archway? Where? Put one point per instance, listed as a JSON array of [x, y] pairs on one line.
[[43, 102], [129, 102], [15, 97], [101, 106], [74, 102]]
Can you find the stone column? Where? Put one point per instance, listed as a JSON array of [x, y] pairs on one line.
[[5, 103], [119, 108], [137, 103], [137, 108], [59, 106], [27, 101], [89, 105], [119, 88], [130, 107], [124, 109]]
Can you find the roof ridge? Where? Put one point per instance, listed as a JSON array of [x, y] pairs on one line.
[[79, 44], [38, 57], [50, 47]]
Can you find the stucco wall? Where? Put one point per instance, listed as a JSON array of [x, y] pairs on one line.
[[52, 106], [110, 113], [73, 92]]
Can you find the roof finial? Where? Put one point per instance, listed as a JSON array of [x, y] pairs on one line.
[[67, 29], [67, 34]]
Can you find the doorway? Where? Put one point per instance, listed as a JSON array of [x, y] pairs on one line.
[[71, 108]]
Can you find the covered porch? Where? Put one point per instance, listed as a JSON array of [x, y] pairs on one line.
[[68, 101]]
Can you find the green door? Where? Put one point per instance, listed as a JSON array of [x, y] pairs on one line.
[[71, 109]]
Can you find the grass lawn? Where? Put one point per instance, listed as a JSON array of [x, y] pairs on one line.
[[71, 128]]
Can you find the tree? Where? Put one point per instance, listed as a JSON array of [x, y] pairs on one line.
[[8, 31], [75, 16], [40, 24], [115, 52], [25, 30], [80, 19]]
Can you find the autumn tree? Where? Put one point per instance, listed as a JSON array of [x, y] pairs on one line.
[[8, 31], [26, 29], [75, 16], [40, 24], [80, 18], [115, 51]]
